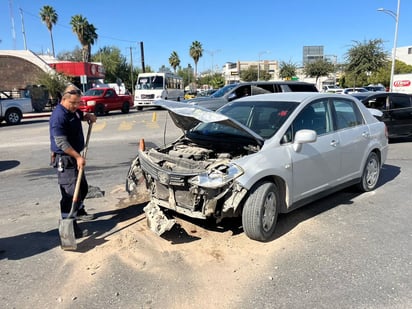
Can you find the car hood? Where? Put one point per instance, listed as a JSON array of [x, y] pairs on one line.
[[186, 116], [201, 99]]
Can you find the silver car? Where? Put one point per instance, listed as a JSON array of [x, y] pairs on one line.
[[259, 156]]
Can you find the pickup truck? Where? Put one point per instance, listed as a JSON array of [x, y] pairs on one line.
[[101, 101], [12, 109]]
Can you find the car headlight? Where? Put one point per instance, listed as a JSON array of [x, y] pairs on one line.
[[91, 103], [218, 176]]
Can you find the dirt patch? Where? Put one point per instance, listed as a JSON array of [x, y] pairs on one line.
[[195, 260]]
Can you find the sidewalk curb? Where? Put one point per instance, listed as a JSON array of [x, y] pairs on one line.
[[36, 115]]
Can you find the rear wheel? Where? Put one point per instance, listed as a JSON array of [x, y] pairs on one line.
[[125, 107], [99, 110], [370, 175], [13, 116], [260, 211]]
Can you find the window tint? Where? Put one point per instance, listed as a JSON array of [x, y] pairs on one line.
[[315, 116], [400, 101], [347, 114]]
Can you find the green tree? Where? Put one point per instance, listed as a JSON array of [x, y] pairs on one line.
[[115, 65], [319, 68], [49, 17], [250, 74], [75, 55], [215, 81], [196, 52], [363, 59], [174, 60], [287, 70], [86, 34]]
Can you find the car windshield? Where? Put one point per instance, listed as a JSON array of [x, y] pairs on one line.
[[222, 91], [262, 117], [94, 92]]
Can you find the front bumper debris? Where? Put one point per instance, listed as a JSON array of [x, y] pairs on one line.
[[157, 220]]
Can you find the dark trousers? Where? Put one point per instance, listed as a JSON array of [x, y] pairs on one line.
[[67, 177]]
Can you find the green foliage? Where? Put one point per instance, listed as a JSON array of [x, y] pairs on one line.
[[196, 52], [86, 33], [363, 60], [75, 55], [54, 83], [49, 17], [319, 68], [287, 70], [250, 74], [186, 74], [216, 80], [174, 60], [115, 65]]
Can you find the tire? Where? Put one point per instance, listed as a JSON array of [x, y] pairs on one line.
[[371, 172], [99, 110], [260, 211], [13, 116], [125, 108]]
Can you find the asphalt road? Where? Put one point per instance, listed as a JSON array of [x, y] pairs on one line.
[[348, 250]]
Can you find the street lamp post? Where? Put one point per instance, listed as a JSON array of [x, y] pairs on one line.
[[212, 53], [260, 54], [395, 40]]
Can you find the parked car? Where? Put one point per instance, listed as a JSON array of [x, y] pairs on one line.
[[12, 108], [354, 90], [372, 87], [103, 100], [331, 89], [396, 108], [257, 157], [235, 91]]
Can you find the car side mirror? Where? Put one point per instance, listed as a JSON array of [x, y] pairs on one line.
[[304, 137], [231, 97]]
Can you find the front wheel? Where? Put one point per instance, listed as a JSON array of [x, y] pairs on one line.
[[260, 211], [13, 116], [370, 175], [99, 110], [125, 108]]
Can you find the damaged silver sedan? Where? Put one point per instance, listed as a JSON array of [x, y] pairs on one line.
[[257, 157]]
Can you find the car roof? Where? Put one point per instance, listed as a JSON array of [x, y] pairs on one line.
[[292, 96]]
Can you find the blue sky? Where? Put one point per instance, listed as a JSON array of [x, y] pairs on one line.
[[228, 30]]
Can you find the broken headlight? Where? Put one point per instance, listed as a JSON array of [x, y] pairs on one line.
[[218, 176]]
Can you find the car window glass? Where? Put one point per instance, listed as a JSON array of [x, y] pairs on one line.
[[347, 114], [315, 116], [378, 102], [400, 101]]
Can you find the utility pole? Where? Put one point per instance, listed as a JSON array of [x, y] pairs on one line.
[[22, 29], [13, 31], [142, 54], [131, 70]]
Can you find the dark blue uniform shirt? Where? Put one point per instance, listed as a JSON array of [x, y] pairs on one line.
[[65, 123]]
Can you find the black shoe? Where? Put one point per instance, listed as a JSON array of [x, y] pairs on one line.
[[84, 216]]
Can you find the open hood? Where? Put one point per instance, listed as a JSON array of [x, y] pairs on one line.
[[186, 116]]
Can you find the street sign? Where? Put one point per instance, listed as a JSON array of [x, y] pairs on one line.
[[83, 79]]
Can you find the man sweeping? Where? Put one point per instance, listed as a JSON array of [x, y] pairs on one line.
[[66, 144]]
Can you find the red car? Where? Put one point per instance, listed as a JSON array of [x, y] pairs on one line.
[[101, 101]]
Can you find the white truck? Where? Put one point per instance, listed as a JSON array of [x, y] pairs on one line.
[[402, 83], [12, 109]]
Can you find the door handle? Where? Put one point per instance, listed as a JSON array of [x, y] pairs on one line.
[[334, 143]]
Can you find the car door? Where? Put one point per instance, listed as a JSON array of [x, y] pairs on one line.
[[401, 114], [353, 137], [316, 166]]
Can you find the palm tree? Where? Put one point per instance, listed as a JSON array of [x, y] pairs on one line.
[[86, 33], [196, 52], [174, 60], [49, 17]]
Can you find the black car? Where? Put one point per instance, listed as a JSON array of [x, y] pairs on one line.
[[396, 108], [232, 92]]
